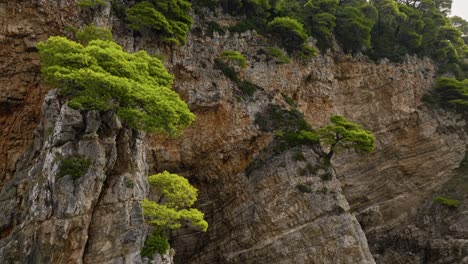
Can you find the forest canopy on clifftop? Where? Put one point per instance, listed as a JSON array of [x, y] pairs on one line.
[[378, 28]]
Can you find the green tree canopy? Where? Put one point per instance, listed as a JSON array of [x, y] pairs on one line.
[[342, 133], [320, 19], [102, 76], [354, 22], [453, 92], [177, 196], [168, 19], [289, 32]]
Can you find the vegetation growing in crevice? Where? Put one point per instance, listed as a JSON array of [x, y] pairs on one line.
[[236, 57], [303, 188], [176, 197], [447, 201], [292, 130], [245, 86], [157, 242], [91, 4], [276, 54], [76, 167]]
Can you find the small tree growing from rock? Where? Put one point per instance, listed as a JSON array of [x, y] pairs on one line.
[[342, 133], [171, 211]]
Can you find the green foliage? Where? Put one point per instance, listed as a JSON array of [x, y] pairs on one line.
[[462, 25], [157, 242], [91, 32], [227, 70], [303, 188], [210, 4], [319, 17], [342, 133], [276, 53], [213, 26], [354, 23], [74, 166], [246, 7], [91, 4], [277, 119], [176, 196], [245, 86], [118, 9], [236, 57], [169, 19], [175, 189], [453, 92], [288, 100], [447, 201], [288, 32], [104, 77], [294, 139], [258, 24]]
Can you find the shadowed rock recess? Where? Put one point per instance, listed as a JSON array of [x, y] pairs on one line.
[[262, 206]]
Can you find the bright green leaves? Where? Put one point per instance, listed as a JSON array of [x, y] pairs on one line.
[[176, 189], [91, 32], [342, 133], [177, 195], [144, 16], [163, 216], [235, 56], [102, 76], [169, 19]]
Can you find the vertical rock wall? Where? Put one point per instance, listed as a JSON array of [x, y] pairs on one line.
[[255, 217], [95, 217]]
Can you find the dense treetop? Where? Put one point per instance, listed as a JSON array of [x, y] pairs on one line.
[[102, 76], [176, 197], [169, 20], [378, 28]]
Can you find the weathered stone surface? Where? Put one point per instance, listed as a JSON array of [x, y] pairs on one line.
[[23, 24], [94, 218], [257, 217], [265, 218], [418, 147]]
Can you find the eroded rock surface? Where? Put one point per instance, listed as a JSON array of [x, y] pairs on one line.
[[94, 217], [22, 25], [380, 201]]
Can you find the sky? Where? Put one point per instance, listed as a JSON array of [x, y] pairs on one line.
[[460, 8]]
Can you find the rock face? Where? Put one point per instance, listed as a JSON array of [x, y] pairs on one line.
[[23, 24], [94, 217], [419, 149], [375, 208], [278, 215]]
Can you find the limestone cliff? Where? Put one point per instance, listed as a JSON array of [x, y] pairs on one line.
[[376, 208]]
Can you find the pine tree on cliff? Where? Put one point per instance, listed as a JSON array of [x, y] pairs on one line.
[[100, 75], [342, 133]]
